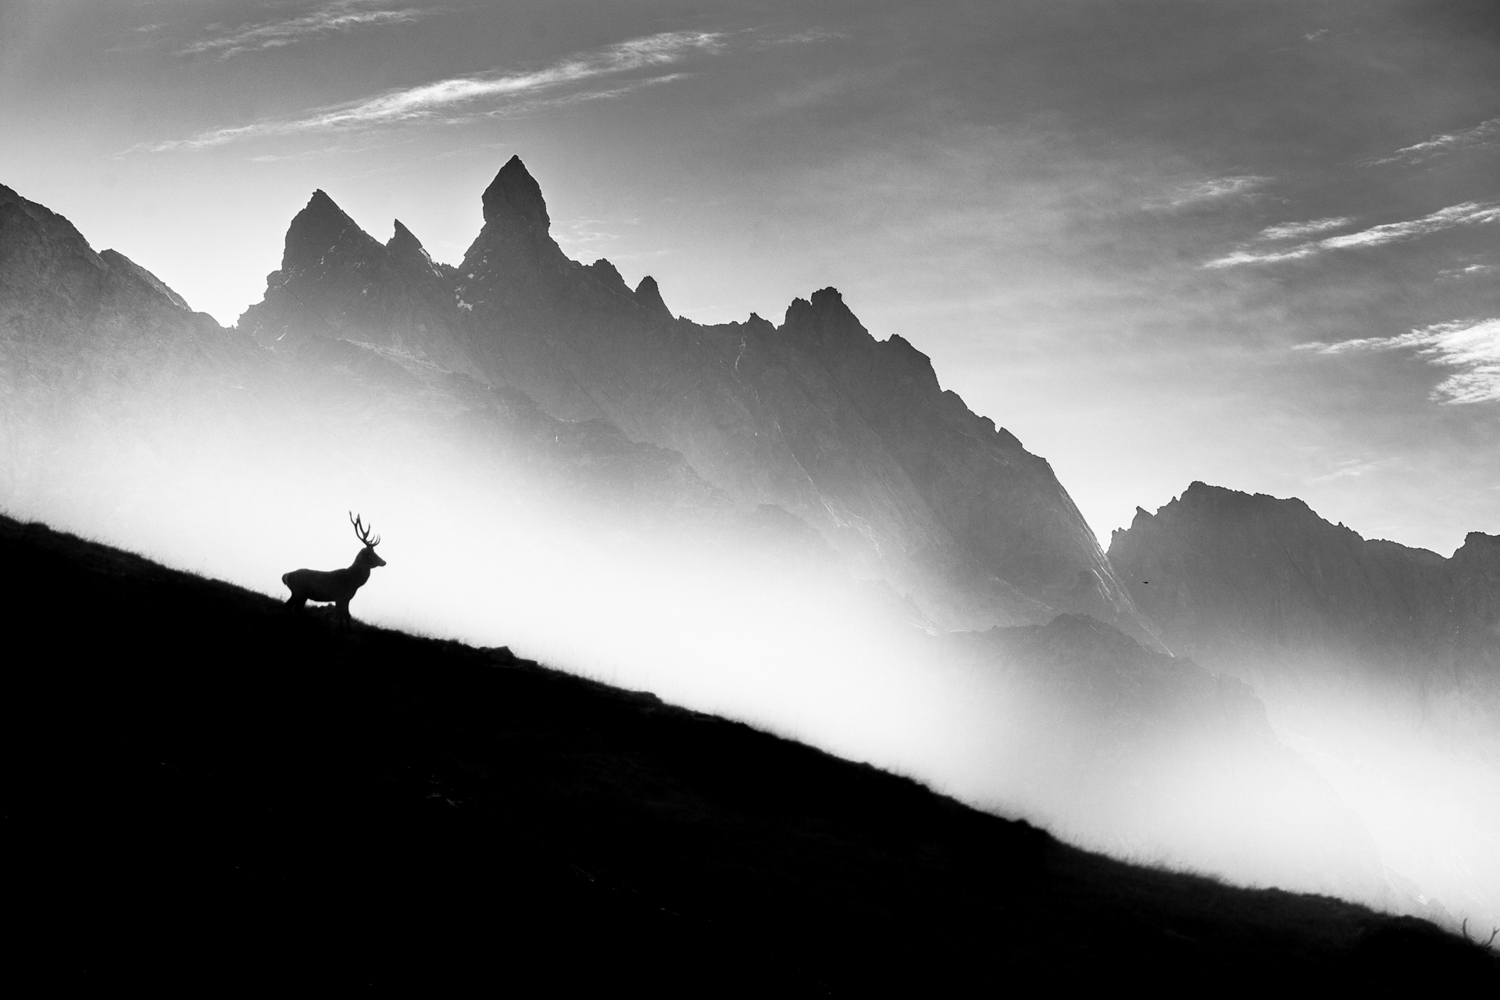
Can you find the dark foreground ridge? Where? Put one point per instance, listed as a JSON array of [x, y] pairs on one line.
[[214, 791]]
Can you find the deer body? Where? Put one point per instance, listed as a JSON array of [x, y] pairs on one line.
[[335, 586]]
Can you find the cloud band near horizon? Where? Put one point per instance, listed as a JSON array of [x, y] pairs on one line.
[[432, 99]]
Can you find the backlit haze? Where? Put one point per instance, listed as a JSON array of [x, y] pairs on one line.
[[1256, 244]]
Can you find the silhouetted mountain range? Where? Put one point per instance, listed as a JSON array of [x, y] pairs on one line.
[[209, 791], [852, 435], [103, 364], [1256, 584]]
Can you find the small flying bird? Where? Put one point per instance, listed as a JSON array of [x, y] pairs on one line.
[[336, 586]]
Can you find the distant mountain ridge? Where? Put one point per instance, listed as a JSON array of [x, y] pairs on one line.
[[1251, 581], [852, 435]]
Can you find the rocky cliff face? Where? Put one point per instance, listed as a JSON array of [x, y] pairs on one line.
[[336, 281], [1254, 582], [852, 435]]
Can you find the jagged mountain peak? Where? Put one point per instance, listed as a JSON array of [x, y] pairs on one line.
[[649, 295], [826, 316], [402, 239], [824, 300], [1201, 496], [515, 194], [609, 275], [321, 227]]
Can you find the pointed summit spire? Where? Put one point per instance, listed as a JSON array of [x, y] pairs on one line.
[[403, 239], [649, 295], [320, 202], [319, 228], [516, 194]]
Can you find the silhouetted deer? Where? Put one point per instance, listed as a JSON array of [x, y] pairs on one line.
[[336, 586]]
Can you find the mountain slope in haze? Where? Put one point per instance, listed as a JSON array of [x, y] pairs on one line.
[[109, 377], [1377, 662], [1147, 755], [1255, 583], [212, 790], [852, 435]]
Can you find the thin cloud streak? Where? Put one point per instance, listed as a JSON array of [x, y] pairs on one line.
[[522, 108], [1467, 214], [1218, 188], [1485, 134], [1473, 348], [1352, 468], [430, 100], [1291, 230], [344, 15]]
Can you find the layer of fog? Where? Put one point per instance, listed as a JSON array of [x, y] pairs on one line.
[[1420, 764], [691, 609]]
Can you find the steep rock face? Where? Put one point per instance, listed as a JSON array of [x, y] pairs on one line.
[[1001, 510], [337, 281], [69, 315], [1255, 582], [853, 435]]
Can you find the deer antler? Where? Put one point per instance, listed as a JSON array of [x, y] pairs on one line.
[[362, 531]]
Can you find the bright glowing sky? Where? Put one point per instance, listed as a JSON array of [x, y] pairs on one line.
[[1252, 243]]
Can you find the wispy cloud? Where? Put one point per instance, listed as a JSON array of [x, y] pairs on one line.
[[1295, 230], [445, 100], [1352, 468], [531, 105], [1216, 189], [589, 237], [333, 18], [1472, 348], [1468, 271], [1467, 214], [1485, 134], [808, 37]]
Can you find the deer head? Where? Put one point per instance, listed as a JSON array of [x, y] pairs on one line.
[[367, 556]]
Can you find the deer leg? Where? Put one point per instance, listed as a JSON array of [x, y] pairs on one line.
[[296, 600]]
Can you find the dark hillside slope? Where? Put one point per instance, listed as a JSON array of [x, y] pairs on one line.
[[209, 790]]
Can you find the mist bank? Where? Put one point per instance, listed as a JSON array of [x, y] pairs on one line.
[[1378, 662]]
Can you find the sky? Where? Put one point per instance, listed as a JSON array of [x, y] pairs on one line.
[[1252, 243]]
